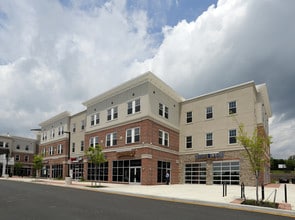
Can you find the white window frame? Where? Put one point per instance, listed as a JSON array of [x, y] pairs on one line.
[[163, 111], [209, 137], [231, 136], [163, 138], [111, 139], [59, 149], [17, 157], [94, 119], [112, 113], [231, 107], [189, 142], [209, 112], [51, 150], [189, 117], [93, 141], [134, 132], [27, 158], [60, 130], [133, 107]]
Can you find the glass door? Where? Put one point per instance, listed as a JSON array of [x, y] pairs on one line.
[[135, 175]]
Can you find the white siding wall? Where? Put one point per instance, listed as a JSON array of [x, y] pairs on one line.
[[221, 122]]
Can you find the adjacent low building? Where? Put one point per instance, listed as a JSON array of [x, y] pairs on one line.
[[17, 155], [146, 129]]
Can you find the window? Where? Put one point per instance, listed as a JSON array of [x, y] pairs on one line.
[[99, 172], [93, 141], [112, 113], [26, 158], [59, 149], [209, 139], [163, 138], [52, 133], [189, 142], [209, 112], [133, 106], [189, 117], [60, 130], [73, 147], [17, 157], [233, 136], [44, 136], [82, 145], [44, 152], [232, 107], [82, 124], [74, 127], [163, 110], [111, 139], [18, 147], [94, 119], [27, 147], [132, 135], [51, 150]]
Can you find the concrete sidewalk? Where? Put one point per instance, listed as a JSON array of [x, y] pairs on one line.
[[211, 195]]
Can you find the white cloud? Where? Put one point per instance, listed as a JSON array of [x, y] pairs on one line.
[[53, 60], [234, 42]]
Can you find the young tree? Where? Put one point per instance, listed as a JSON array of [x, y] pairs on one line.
[[96, 156], [18, 168], [255, 147], [37, 163]]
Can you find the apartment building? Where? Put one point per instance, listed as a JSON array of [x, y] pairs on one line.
[[146, 129], [19, 153], [209, 151], [54, 146]]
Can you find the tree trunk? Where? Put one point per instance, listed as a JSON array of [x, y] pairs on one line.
[[257, 179]]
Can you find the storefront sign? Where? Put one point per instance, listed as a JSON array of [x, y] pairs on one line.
[[210, 156], [126, 154]]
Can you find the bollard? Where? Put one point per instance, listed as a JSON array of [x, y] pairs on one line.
[[262, 191], [285, 193], [242, 191], [224, 186]]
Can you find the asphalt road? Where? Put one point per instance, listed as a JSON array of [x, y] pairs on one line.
[[30, 201]]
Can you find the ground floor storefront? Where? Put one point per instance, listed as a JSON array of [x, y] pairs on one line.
[[149, 166], [230, 167]]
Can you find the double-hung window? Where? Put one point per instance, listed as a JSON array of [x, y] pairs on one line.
[[209, 139], [189, 141], [232, 136], [132, 135], [112, 113], [163, 110], [59, 149], [232, 107], [163, 138], [82, 146], [82, 125], [51, 150], [189, 117], [209, 112], [94, 119], [93, 141], [60, 130], [73, 147], [133, 106], [111, 139]]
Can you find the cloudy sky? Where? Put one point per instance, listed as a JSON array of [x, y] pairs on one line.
[[54, 55]]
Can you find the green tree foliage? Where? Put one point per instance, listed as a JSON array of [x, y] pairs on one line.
[[18, 168], [255, 147], [96, 156], [38, 163]]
